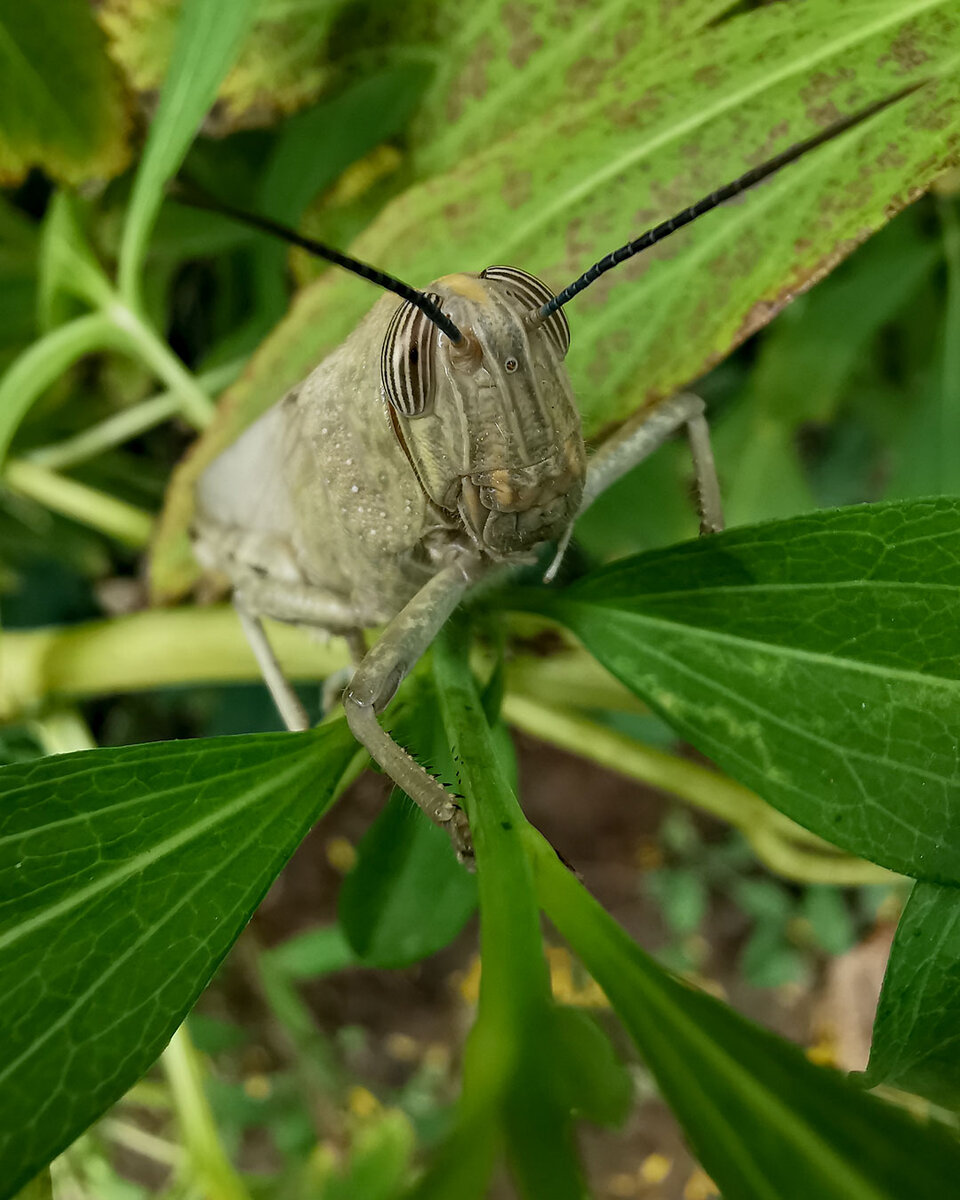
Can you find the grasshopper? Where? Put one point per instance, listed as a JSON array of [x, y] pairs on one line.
[[439, 443]]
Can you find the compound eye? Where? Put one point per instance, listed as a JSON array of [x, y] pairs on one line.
[[511, 365], [408, 360], [533, 293]]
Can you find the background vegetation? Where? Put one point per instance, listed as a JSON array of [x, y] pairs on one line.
[[544, 135]]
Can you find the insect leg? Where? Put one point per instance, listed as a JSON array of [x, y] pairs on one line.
[[376, 681], [647, 432], [285, 698]]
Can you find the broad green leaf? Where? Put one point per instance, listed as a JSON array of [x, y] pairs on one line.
[[126, 875], [916, 1036], [765, 1122], [207, 41], [534, 57], [62, 107], [659, 130], [817, 660]]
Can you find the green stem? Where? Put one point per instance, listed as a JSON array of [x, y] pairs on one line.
[[45, 361], [148, 1145], [196, 405], [82, 503], [159, 648], [207, 1158], [62, 731], [129, 423], [774, 838], [114, 431]]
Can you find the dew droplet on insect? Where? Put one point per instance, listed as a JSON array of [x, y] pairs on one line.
[[354, 488]]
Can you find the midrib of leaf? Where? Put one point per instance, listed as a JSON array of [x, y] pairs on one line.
[[617, 166], [887, 674], [41, 87], [148, 857], [118, 962]]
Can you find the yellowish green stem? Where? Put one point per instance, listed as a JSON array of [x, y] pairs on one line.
[[195, 404], [148, 1145], [128, 423], [87, 505], [160, 648], [207, 1160]]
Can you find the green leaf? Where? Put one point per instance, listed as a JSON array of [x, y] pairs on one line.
[[529, 57], [407, 897], [829, 915], [126, 875], [657, 132], [765, 1122], [768, 961], [312, 954], [40, 1188], [281, 66], [816, 660], [61, 104], [584, 1072], [916, 1036], [682, 896], [207, 41]]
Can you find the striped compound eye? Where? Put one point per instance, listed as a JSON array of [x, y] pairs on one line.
[[533, 294], [408, 360]]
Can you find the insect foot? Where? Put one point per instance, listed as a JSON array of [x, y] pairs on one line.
[[407, 773]]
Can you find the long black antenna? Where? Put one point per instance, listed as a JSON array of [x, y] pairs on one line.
[[192, 198], [727, 192]]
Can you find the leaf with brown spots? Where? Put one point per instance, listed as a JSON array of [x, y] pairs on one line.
[[657, 132], [282, 67], [517, 59]]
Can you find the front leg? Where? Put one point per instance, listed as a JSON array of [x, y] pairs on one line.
[[375, 683], [647, 432]]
